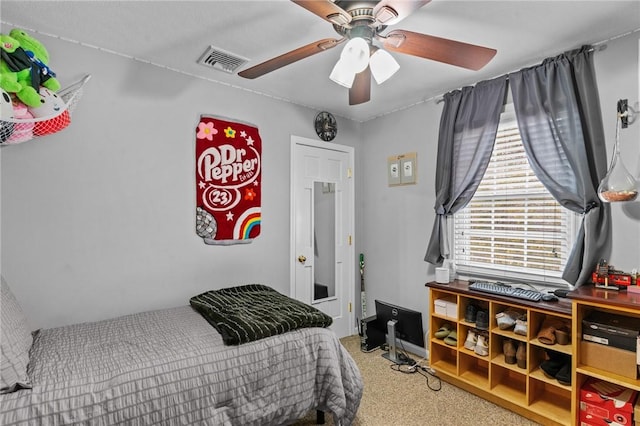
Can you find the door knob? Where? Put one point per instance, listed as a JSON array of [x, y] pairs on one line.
[[302, 259]]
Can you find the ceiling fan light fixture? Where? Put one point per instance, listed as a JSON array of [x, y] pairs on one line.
[[342, 75], [383, 66], [355, 55]]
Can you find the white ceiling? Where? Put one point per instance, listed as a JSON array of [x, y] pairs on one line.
[[174, 34]]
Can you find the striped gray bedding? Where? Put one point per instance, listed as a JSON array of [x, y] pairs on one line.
[[170, 367]]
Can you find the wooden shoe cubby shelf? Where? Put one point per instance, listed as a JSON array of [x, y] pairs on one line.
[[526, 391], [585, 301]]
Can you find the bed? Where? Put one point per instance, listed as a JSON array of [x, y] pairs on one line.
[[169, 367]]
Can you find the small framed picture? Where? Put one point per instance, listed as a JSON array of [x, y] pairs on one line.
[[393, 171], [408, 168]]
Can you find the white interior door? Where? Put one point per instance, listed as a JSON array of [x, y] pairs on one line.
[[322, 212]]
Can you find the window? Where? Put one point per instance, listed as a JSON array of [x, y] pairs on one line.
[[513, 229]]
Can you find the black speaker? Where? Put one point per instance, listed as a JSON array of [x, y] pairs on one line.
[[371, 336]]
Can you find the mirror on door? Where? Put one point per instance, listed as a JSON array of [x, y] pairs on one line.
[[324, 213]]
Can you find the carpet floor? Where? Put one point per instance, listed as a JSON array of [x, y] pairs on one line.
[[394, 398]]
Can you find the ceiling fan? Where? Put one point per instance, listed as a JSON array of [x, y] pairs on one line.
[[367, 20]]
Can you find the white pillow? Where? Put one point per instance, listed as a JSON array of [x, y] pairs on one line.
[[15, 342]]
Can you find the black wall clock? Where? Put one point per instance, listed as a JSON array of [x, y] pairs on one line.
[[326, 126]]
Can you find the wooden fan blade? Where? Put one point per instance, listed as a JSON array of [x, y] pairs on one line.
[[438, 49], [360, 91], [326, 9], [290, 57], [400, 8]]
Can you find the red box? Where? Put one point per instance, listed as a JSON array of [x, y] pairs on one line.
[[600, 400], [591, 420]]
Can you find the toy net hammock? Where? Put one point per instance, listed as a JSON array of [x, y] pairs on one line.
[[17, 130]]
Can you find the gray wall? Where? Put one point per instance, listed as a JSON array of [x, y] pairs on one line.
[[98, 220], [619, 78]]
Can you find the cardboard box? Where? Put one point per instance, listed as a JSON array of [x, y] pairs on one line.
[[591, 420], [605, 401], [440, 306], [452, 310], [608, 358], [609, 329], [594, 415], [446, 307]]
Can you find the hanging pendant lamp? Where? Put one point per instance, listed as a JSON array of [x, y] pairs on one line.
[[618, 185]]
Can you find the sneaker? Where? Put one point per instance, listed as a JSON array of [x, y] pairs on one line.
[[471, 341], [506, 319], [470, 313], [482, 320], [521, 326], [482, 346]]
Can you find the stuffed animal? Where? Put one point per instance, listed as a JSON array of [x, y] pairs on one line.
[[24, 125], [8, 78], [25, 61], [6, 116], [39, 56], [52, 106]]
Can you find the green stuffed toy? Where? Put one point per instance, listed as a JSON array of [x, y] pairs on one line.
[[8, 78], [25, 63]]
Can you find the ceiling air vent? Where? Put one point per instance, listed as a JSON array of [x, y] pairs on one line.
[[222, 60]]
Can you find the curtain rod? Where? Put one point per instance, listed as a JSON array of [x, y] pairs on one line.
[[595, 47], [601, 46]]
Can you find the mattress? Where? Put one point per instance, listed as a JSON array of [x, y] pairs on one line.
[[171, 367]]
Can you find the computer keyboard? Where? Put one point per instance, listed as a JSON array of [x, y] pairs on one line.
[[505, 290]]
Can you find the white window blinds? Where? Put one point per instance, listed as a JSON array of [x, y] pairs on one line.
[[512, 228]]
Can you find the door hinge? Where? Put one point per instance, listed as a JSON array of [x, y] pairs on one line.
[[349, 240], [349, 306], [349, 172]]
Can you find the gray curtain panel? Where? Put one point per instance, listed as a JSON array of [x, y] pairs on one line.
[[468, 128], [558, 112]]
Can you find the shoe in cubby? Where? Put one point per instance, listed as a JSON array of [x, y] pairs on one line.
[[472, 339], [509, 350], [557, 366], [521, 326], [482, 345], [507, 319], [470, 313], [482, 320], [548, 332], [521, 355], [452, 339], [444, 331]]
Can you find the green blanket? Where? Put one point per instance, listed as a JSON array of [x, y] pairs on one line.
[[251, 312]]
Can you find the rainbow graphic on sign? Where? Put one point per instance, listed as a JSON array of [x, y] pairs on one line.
[[246, 223]]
